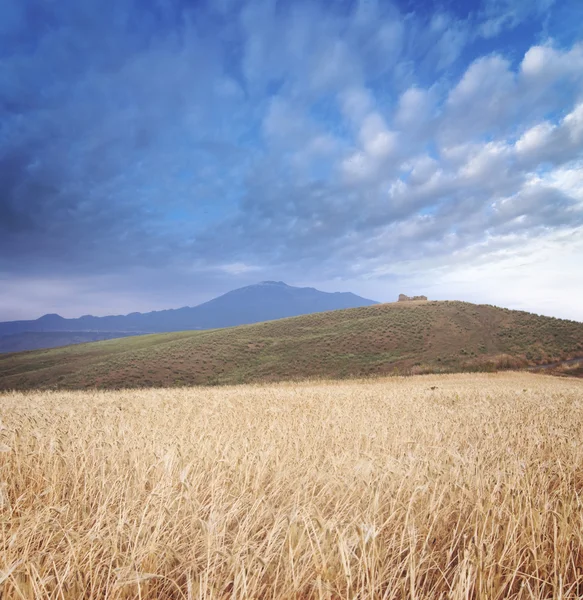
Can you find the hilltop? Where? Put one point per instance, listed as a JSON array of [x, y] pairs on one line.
[[263, 301], [396, 338]]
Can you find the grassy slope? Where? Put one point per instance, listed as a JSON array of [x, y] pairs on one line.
[[383, 339]]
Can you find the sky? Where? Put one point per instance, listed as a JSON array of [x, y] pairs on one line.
[[157, 153]]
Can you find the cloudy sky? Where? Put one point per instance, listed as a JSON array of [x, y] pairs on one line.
[[156, 153]]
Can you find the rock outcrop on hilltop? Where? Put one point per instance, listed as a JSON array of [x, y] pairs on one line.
[[404, 298]]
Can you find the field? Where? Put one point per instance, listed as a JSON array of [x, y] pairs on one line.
[[451, 486], [386, 339]]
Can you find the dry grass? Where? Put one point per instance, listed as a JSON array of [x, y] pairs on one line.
[[383, 489]]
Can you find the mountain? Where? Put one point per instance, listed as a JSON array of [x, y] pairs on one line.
[[251, 304], [397, 338]]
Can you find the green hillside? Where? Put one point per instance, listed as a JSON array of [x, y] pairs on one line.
[[398, 338]]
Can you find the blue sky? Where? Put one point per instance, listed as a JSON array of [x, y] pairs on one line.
[[154, 154]]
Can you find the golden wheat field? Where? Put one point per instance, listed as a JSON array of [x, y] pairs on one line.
[[454, 486]]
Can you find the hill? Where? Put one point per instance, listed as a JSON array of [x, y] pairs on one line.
[[251, 304], [405, 337]]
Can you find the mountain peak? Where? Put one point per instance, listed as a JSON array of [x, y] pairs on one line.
[[51, 317], [262, 301]]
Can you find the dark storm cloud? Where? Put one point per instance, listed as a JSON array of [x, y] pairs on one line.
[[94, 99]]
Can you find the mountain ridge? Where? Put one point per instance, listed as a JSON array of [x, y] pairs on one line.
[[255, 303]]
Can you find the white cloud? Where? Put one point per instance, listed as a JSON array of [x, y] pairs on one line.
[[534, 275], [414, 109], [358, 167], [238, 268], [568, 179], [552, 142], [487, 74], [545, 64], [356, 103], [535, 139], [423, 169], [377, 141], [499, 15], [573, 122], [481, 101], [376, 146], [453, 36], [488, 163]]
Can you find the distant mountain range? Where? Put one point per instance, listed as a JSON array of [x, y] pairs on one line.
[[264, 301]]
